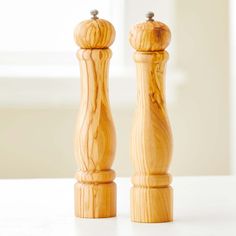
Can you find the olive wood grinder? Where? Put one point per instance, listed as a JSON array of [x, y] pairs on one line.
[[95, 191], [151, 147]]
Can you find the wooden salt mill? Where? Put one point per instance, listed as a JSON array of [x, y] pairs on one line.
[[95, 191], [151, 147]]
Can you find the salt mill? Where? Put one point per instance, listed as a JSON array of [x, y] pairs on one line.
[[95, 191], [151, 146]]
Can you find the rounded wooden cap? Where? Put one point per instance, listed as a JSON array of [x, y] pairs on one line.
[[94, 33], [150, 35]]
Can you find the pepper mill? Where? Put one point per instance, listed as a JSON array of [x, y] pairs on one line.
[[95, 191], [151, 146]]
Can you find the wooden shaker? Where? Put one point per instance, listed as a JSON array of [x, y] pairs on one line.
[[151, 147], [95, 191]]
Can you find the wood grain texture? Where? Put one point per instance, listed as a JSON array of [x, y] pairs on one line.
[[95, 191], [94, 34], [151, 147], [150, 36]]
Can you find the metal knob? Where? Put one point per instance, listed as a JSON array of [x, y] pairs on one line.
[[150, 16], [94, 14]]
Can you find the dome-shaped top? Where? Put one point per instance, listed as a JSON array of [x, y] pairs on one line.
[[94, 33], [150, 35]]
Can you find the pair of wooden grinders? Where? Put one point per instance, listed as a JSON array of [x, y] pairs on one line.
[[151, 149]]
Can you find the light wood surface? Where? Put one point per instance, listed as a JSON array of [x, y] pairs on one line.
[[151, 147], [150, 36], [95, 191], [93, 34]]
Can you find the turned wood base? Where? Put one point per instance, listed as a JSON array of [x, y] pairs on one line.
[[151, 205], [94, 200]]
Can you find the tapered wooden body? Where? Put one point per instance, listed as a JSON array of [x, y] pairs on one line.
[[95, 191], [151, 146]]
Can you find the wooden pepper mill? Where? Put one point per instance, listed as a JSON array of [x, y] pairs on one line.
[[151, 147], [95, 191]]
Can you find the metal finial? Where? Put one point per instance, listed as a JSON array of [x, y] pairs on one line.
[[94, 14], [150, 16]]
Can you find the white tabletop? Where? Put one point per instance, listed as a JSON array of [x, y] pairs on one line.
[[202, 206]]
